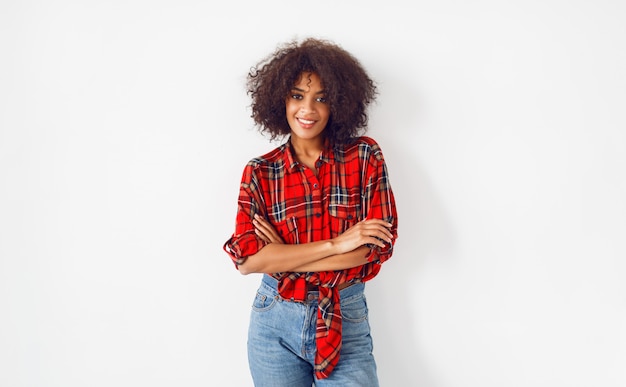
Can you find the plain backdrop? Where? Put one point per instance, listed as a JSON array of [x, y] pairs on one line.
[[124, 128]]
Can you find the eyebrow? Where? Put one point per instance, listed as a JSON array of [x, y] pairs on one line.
[[304, 91]]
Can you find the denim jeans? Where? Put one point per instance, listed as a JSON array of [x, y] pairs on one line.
[[281, 340]]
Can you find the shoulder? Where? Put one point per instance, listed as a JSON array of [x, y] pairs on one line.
[[272, 159], [270, 166], [365, 140], [363, 147]]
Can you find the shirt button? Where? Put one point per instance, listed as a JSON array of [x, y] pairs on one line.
[[317, 214], [318, 164], [315, 185]]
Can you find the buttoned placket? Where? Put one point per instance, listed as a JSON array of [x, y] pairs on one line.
[[315, 196]]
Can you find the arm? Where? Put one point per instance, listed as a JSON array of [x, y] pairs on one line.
[[345, 251], [378, 200], [354, 258], [378, 203], [340, 253]]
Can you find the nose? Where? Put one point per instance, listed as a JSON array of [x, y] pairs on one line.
[[307, 105]]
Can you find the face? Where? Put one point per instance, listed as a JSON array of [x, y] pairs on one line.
[[306, 108]]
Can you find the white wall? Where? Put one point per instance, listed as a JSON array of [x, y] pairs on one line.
[[124, 129]]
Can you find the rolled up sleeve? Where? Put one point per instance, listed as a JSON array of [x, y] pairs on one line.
[[244, 242], [380, 203]]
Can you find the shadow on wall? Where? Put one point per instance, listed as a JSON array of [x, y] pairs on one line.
[[423, 232]]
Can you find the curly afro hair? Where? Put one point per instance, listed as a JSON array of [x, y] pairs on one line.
[[348, 88]]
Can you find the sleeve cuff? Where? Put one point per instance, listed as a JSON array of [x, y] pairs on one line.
[[240, 247]]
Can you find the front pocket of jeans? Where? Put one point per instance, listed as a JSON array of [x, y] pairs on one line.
[[355, 310], [263, 302]]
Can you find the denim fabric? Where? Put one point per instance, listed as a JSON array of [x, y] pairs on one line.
[[281, 340]]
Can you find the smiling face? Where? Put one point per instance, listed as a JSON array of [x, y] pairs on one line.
[[307, 109]]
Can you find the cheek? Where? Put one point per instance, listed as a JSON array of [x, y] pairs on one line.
[[326, 114], [290, 109]]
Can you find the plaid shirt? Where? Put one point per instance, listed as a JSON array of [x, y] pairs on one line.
[[351, 185]]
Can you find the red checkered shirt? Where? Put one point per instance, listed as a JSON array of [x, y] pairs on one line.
[[352, 184]]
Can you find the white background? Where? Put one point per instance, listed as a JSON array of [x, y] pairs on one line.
[[124, 128]]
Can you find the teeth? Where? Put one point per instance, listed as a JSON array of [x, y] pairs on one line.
[[306, 121]]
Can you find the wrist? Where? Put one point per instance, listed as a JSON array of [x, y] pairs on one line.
[[332, 247]]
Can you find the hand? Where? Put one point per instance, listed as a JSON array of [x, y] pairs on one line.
[[265, 230], [369, 231]]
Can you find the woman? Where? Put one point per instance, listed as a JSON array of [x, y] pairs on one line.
[[316, 215]]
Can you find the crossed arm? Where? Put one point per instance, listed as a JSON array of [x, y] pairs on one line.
[[343, 252]]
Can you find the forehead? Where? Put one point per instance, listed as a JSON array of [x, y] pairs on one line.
[[309, 80]]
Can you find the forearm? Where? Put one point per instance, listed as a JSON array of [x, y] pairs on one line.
[[343, 252], [343, 261], [277, 257]]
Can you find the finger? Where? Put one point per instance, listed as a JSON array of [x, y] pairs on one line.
[[377, 224], [267, 229], [384, 236], [375, 241], [260, 234], [261, 224], [377, 221], [378, 231], [274, 238]]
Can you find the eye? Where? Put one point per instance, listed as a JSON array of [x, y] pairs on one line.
[[296, 96], [321, 99]]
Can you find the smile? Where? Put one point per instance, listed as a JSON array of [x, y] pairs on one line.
[[305, 122]]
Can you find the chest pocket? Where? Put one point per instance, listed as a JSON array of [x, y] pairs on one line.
[[344, 207], [342, 217]]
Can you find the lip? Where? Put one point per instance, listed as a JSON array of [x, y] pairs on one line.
[[306, 124]]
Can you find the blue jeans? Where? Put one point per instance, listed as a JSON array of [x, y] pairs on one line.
[[281, 340]]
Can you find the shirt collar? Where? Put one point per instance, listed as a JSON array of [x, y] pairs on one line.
[[327, 155]]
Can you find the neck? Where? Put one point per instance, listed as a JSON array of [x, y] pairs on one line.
[[307, 148], [307, 151]]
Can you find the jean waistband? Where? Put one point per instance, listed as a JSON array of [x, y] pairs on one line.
[[355, 288]]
